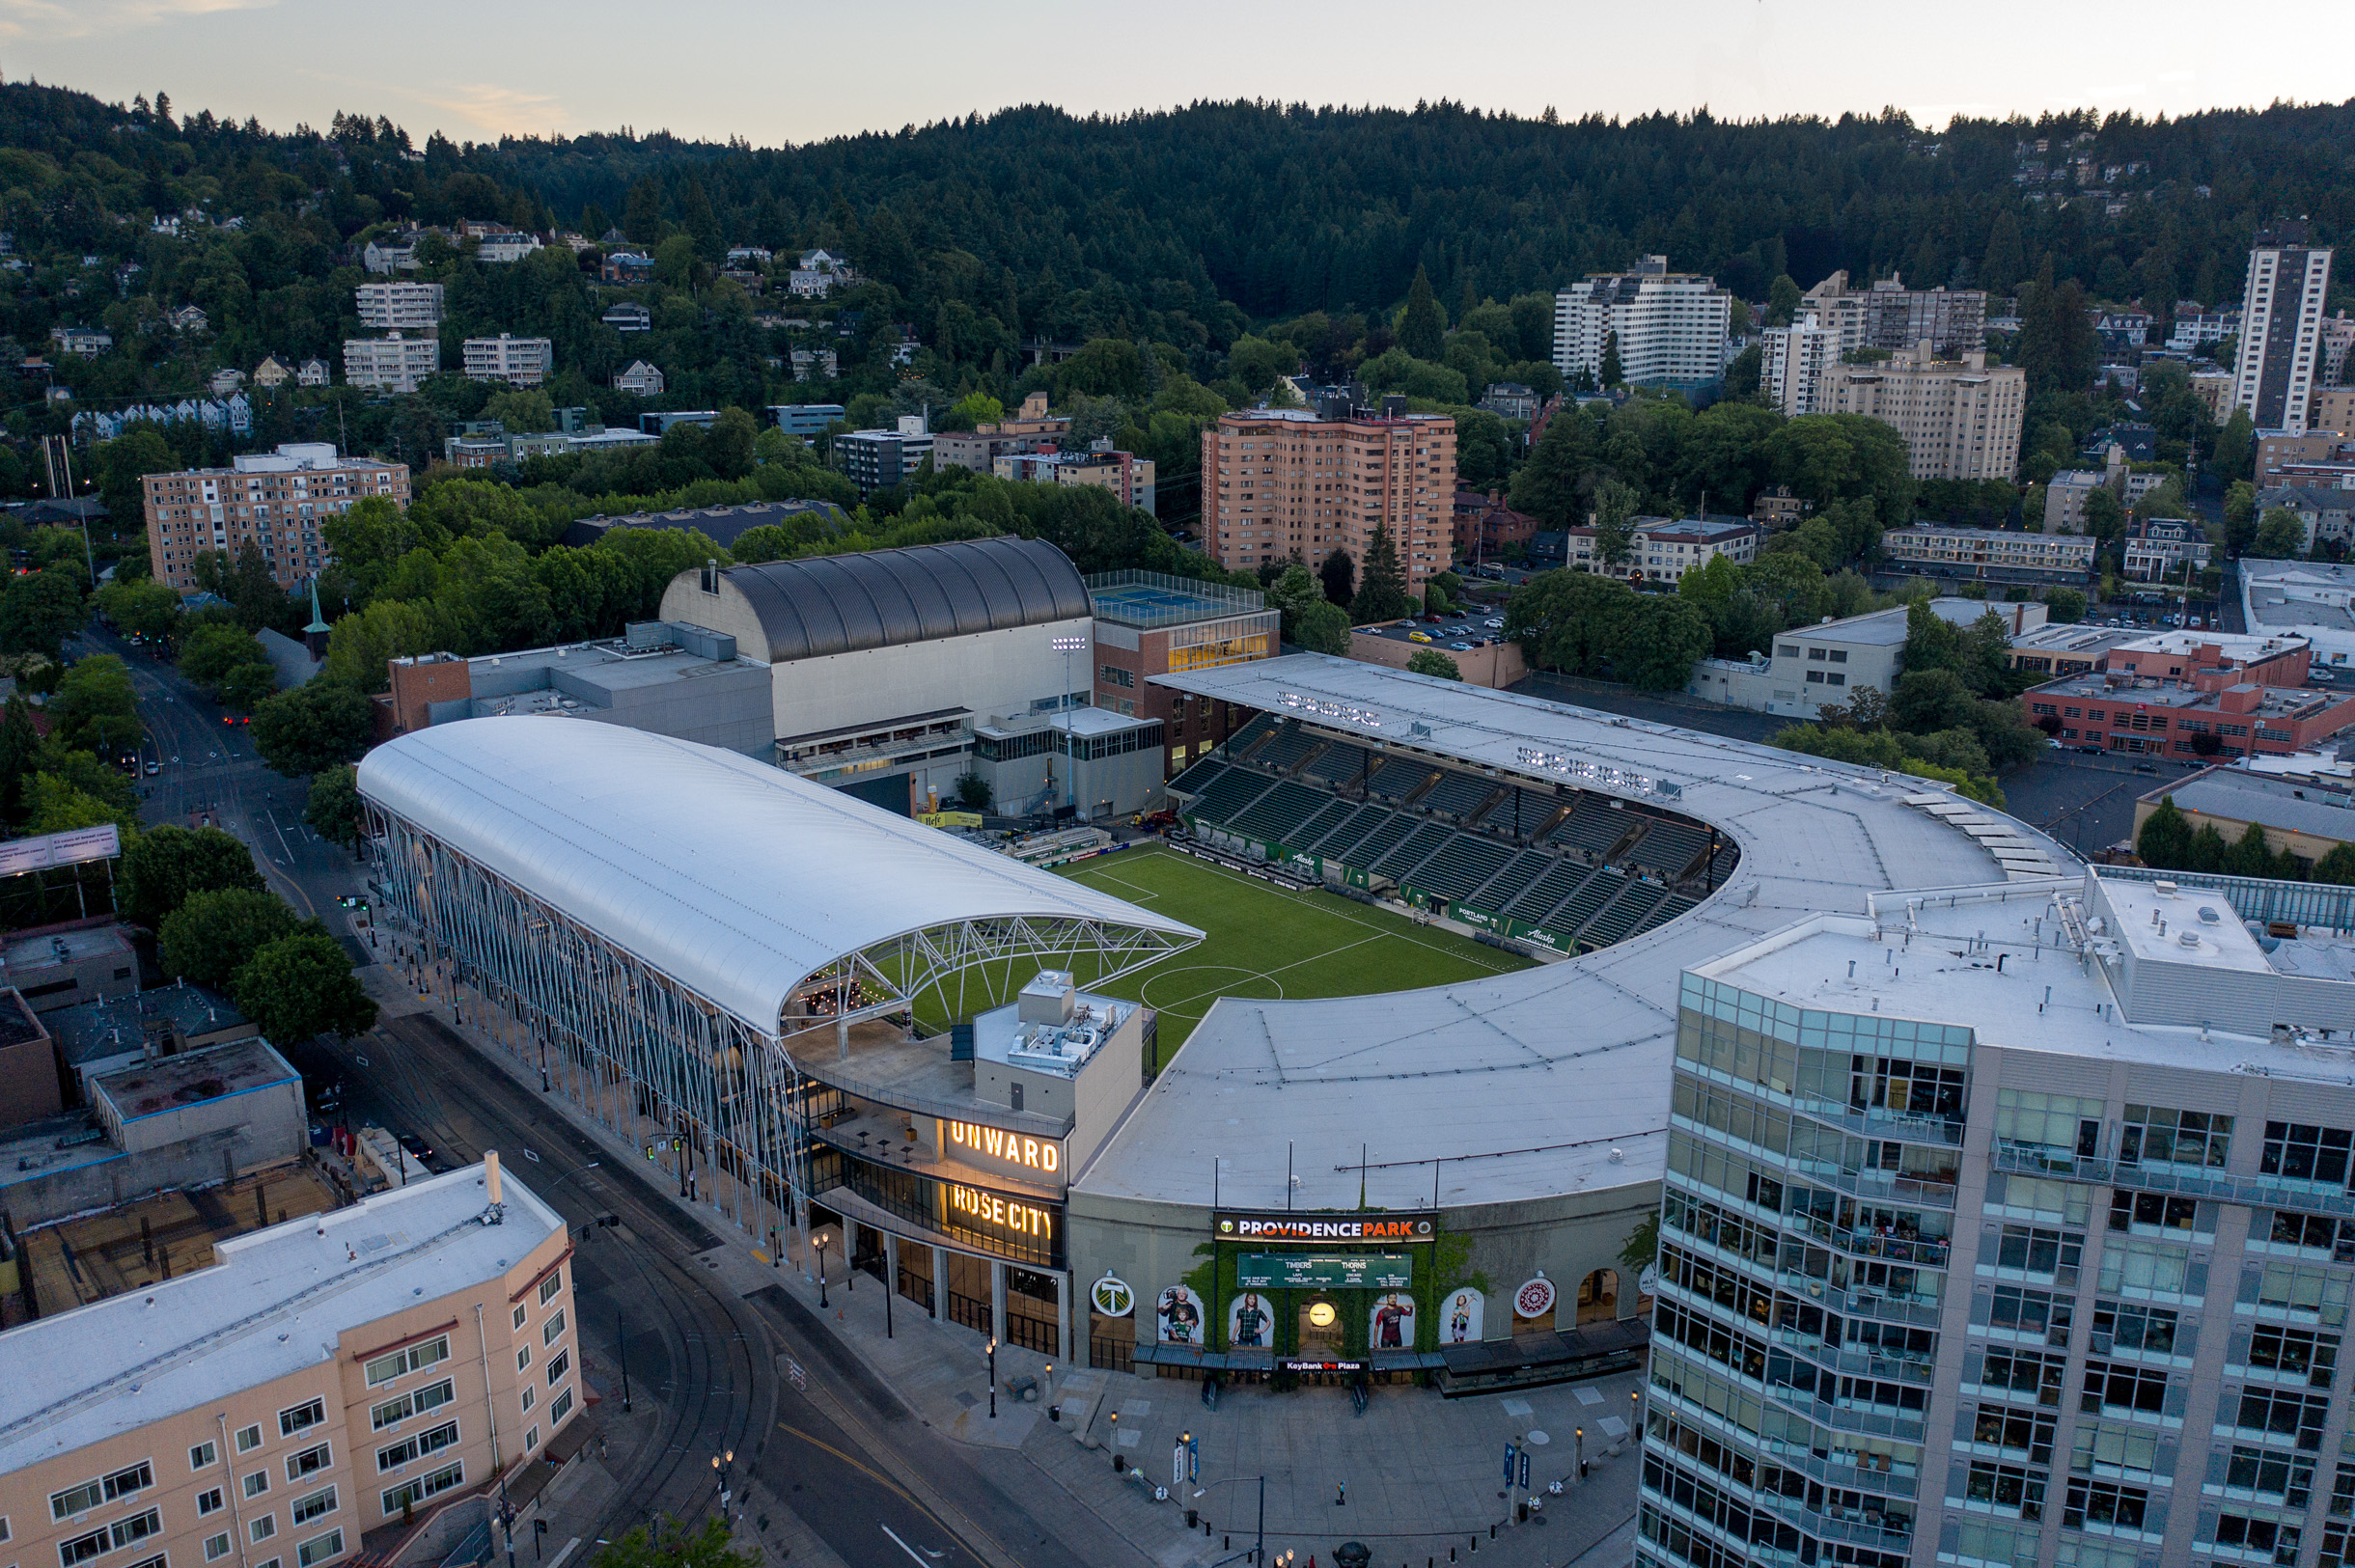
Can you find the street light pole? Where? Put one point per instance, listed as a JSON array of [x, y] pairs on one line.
[[820, 1242], [993, 1378], [720, 1462], [620, 1337]]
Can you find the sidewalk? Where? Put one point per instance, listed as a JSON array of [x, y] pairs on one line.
[[1423, 1474]]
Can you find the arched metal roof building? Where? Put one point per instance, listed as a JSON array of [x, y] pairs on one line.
[[879, 598], [737, 880]]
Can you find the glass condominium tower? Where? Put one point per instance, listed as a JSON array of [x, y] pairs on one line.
[[2014, 1231]]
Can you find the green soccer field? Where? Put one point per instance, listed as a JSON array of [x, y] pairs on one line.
[[1263, 941]]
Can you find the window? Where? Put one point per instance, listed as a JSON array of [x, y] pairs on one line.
[[523, 1357], [2034, 1250], [531, 1398], [261, 1527], [2266, 1535], [2032, 1313], [2298, 1352], [1999, 1426], [562, 1407], [301, 1419], [317, 1505], [75, 1500], [2282, 1414], [2006, 1488], [2138, 1264], [2104, 1449], [309, 1462], [409, 1359], [319, 1548], [204, 1456], [257, 1483], [2111, 1386], [2290, 1477], [432, 1484], [558, 1367], [249, 1440], [2024, 1372], [416, 1402], [520, 1315], [2303, 1287], [208, 1501], [2104, 1505], [2313, 1231], [531, 1439], [2062, 1123], [216, 1546], [549, 1330], [2303, 1153], [425, 1442], [2161, 1210], [2343, 1492], [2126, 1326]]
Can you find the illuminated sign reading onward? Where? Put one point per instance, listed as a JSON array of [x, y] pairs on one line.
[[1610, 777], [1000, 1213], [1040, 1154], [1325, 709]]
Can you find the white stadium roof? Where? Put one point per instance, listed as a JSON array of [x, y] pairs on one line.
[[1548, 1080], [735, 878]]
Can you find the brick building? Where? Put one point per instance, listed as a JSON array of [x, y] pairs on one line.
[[1280, 484], [274, 499], [2161, 701], [1484, 526], [1150, 625]]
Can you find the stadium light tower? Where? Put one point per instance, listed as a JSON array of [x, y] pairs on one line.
[[1066, 647]]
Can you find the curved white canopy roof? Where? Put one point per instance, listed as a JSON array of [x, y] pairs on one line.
[[737, 880]]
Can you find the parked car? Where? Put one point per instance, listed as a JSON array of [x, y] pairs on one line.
[[1461, 647], [1418, 637]]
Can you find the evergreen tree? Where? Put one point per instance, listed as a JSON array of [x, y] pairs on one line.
[[1547, 486], [1783, 300], [19, 757], [1381, 593], [1612, 376], [2250, 855], [1339, 575], [2339, 866], [1422, 328], [2164, 841], [2001, 273], [1614, 505]]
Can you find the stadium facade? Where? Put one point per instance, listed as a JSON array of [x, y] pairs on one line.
[[725, 964]]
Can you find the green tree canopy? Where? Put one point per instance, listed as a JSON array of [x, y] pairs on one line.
[[321, 724], [1381, 592], [300, 986], [332, 809], [213, 935], [96, 708], [1430, 661], [165, 864], [1423, 325]]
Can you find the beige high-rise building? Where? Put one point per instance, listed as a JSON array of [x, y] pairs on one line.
[[399, 306], [1960, 418], [276, 500], [392, 363], [1281, 484], [2281, 336], [319, 1379]]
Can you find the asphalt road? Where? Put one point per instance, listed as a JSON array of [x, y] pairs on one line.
[[210, 775]]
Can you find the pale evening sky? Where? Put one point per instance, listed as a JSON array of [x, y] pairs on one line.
[[790, 71]]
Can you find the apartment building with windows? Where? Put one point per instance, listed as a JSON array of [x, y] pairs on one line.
[[1663, 549], [392, 363], [1282, 484], [2215, 707], [1888, 314], [275, 500], [2157, 547], [1794, 358], [1670, 326], [319, 1380], [1960, 418], [401, 305], [2010, 1226], [1124, 473], [878, 460], [1990, 553], [2280, 341], [520, 362]]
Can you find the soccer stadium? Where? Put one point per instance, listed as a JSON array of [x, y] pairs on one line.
[[1250, 1104]]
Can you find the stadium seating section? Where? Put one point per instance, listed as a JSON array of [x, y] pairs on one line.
[[1538, 857]]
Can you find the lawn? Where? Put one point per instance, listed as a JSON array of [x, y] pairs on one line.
[[1263, 941]]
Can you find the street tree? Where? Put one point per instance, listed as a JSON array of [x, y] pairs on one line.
[[1381, 596], [333, 809], [165, 864], [300, 986], [319, 725], [208, 939], [96, 708]]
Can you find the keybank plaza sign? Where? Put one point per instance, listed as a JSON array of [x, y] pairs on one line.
[[1376, 1228]]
